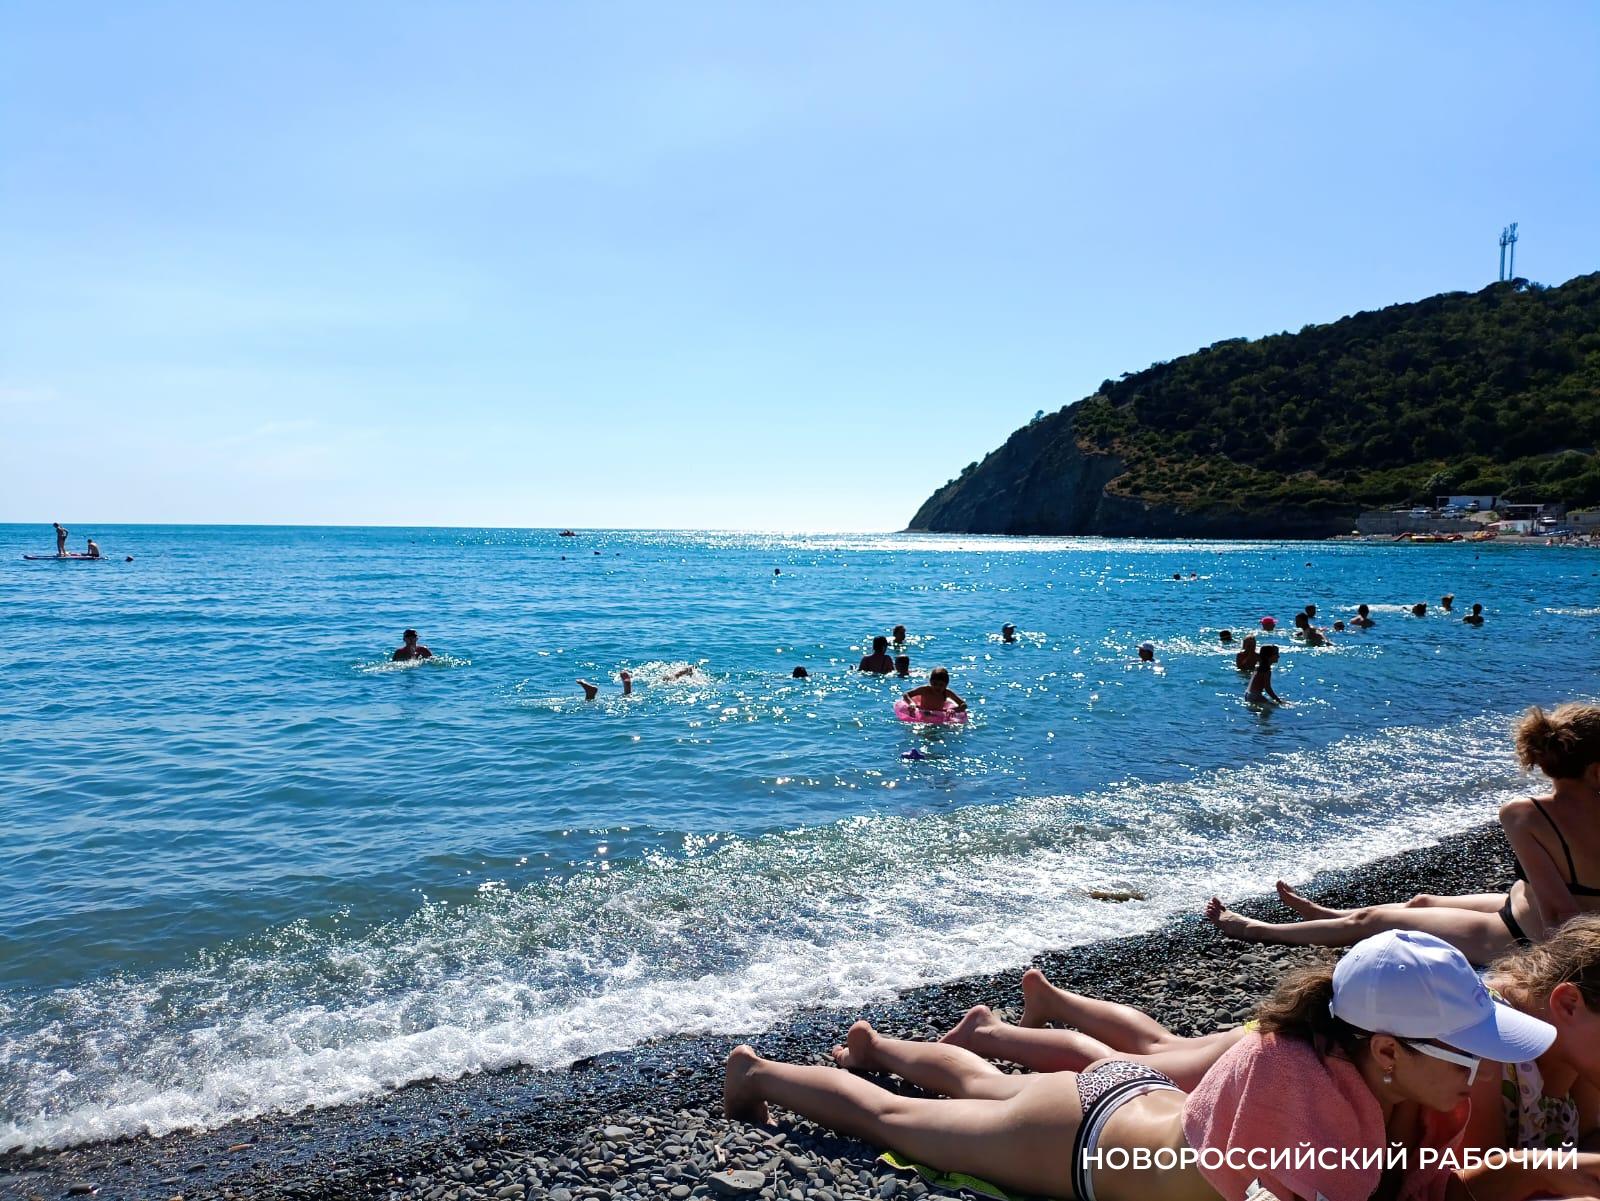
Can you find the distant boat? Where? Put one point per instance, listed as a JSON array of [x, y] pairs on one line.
[[566, 534]]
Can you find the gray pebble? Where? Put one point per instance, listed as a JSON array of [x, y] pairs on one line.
[[738, 1182]]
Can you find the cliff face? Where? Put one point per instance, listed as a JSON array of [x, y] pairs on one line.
[[1042, 482]]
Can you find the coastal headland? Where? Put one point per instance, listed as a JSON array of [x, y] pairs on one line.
[[647, 1123], [1495, 392]]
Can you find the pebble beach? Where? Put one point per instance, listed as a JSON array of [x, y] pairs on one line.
[[646, 1124]]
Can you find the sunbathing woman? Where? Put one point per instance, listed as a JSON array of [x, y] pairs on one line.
[[1382, 1048], [1557, 844], [1545, 1102]]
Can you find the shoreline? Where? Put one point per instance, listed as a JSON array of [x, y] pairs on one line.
[[647, 1122]]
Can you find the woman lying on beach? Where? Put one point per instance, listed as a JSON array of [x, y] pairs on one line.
[[1380, 1050], [1556, 840], [1548, 1102]]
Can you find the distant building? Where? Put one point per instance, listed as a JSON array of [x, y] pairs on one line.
[[1477, 503]]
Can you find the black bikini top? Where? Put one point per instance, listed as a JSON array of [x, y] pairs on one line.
[[1576, 889]]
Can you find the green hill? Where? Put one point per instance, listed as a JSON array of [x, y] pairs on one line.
[[1492, 392]]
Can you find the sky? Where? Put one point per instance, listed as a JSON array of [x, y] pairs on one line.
[[710, 265]]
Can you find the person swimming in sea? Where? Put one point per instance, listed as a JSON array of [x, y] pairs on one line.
[[1420, 609], [1475, 618], [1008, 633], [935, 696], [1445, 601], [1248, 656], [1147, 652], [902, 666], [899, 635], [1363, 619], [1261, 682], [1308, 632], [590, 691], [1225, 636], [411, 650], [879, 662], [800, 673]]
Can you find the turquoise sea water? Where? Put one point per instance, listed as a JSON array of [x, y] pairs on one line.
[[249, 864]]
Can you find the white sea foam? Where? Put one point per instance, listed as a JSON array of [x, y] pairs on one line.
[[726, 938]]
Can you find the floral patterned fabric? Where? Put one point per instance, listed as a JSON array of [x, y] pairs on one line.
[[1532, 1119]]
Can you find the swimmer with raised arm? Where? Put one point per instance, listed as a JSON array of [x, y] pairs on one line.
[[1555, 838], [935, 696], [590, 691]]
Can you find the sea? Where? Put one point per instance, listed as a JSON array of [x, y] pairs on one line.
[[249, 864]]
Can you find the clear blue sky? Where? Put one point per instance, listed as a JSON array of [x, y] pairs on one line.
[[750, 265]]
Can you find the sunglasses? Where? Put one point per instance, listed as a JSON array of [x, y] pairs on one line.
[[1470, 1062]]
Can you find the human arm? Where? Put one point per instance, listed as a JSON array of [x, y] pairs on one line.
[[1548, 888], [952, 697], [1518, 1180]]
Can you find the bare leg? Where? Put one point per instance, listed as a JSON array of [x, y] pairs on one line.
[[590, 691], [1184, 1059], [1017, 1143], [1483, 902], [1119, 1026], [1480, 936], [941, 1067], [627, 683]]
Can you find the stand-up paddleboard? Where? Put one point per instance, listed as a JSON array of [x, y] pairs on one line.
[[949, 715], [67, 558]]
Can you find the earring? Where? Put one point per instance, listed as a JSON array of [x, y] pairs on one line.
[[1388, 1077]]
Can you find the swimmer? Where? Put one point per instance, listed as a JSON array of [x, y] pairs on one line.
[[1420, 609], [1305, 630], [590, 691], [411, 650], [1147, 652], [61, 538], [878, 663], [1475, 618], [1177, 575], [902, 666], [677, 675], [1269, 624], [1248, 656], [1338, 627], [935, 696], [1311, 612], [1445, 601], [777, 571], [92, 549], [1261, 682], [1363, 620], [899, 633], [800, 673], [1008, 633], [1224, 636]]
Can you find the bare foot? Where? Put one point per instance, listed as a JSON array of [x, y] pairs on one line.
[[590, 691], [858, 1053], [1305, 908], [1036, 990], [741, 1100], [1234, 925], [970, 1028]]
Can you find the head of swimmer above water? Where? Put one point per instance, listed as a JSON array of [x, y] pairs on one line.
[[902, 665], [880, 645], [939, 677]]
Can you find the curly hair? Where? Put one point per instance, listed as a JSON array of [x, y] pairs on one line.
[[1563, 742]]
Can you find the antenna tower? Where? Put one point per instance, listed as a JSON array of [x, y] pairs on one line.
[[1511, 241]]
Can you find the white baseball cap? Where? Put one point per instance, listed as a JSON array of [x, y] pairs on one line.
[[1413, 985]]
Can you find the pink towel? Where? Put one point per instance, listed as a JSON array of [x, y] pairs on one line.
[[1271, 1092]]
